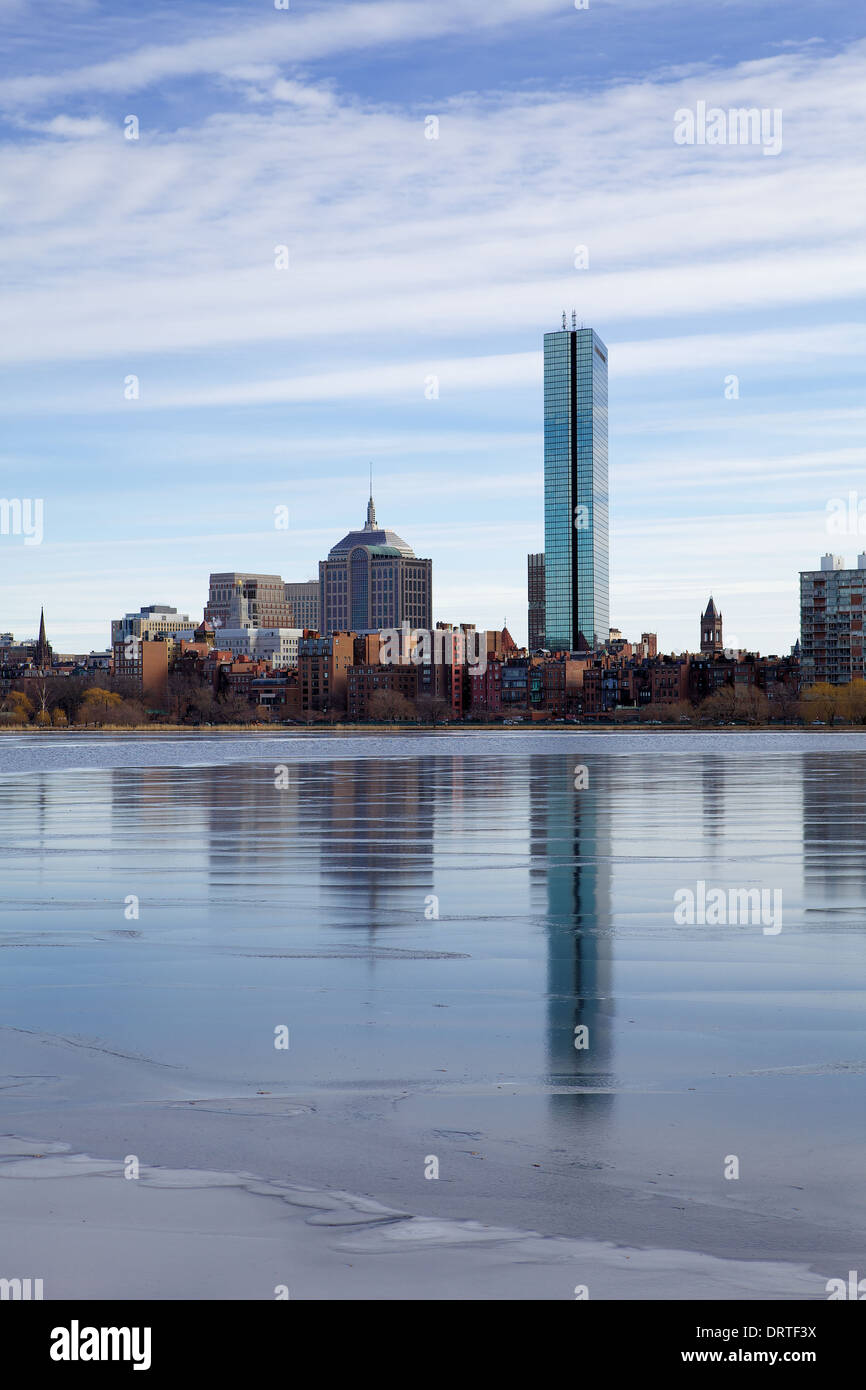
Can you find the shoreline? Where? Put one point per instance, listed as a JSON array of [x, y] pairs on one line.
[[257, 730], [187, 1234]]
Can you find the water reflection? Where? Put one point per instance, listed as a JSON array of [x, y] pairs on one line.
[[570, 845], [535, 887], [834, 831]]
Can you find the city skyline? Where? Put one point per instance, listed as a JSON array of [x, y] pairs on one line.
[[726, 285], [238, 612]]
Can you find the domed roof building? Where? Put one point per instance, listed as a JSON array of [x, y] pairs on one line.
[[373, 580], [371, 535]]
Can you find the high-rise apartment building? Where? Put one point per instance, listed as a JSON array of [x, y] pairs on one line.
[[373, 580], [303, 599], [576, 581], [535, 596], [248, 600], [832, 600]]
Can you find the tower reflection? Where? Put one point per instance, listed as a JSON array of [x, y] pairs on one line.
[[570, 845]]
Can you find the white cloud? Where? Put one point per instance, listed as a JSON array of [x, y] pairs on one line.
[[76, 127], [301, 94], [465, 237], [283, 36]]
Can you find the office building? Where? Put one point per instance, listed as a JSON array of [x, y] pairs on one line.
[[576, 582], [248, 600], [535, 595], [303, 599], [157, 620], [373, 580]]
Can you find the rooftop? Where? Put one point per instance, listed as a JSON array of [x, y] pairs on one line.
[[372, 535]]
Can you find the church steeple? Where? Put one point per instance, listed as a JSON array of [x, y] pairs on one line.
[[43, 651]]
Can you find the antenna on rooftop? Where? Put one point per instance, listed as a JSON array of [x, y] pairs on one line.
[[573, 319], [563, 318]]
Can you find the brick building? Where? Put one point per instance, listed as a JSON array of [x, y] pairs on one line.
[[145, 662], [323, 663], [362, 682]]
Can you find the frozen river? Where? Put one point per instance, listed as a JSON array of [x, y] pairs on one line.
[[354, 962]]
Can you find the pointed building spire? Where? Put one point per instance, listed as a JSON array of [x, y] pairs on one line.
[[43, 651], [371, 510]]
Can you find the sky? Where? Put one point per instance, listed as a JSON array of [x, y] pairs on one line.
[[338, 235]]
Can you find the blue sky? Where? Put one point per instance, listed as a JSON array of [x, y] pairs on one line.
[[411, 258]]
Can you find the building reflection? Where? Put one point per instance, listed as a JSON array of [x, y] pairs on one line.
[[712, 775], [834, 830], [375, 821], [570, 843], [362, 844], [337, 843]]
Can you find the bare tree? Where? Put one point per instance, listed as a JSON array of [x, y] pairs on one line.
[[389, 704], [432, 709], [234, 708], [721, 706], [785, 704]]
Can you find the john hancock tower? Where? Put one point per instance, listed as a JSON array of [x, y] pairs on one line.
[[576, 584]]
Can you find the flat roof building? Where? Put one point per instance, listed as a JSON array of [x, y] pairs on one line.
[[832, 600], [237, 599]]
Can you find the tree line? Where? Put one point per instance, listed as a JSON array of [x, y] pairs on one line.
[[100, 699]]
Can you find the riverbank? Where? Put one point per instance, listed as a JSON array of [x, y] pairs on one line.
[[539, 726]]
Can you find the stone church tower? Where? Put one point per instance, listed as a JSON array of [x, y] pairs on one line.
[[711, 631]]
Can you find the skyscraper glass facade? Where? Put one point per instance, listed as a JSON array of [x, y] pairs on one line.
[[576, 580]]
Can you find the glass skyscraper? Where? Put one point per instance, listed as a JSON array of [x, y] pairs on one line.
[[576, 583]]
